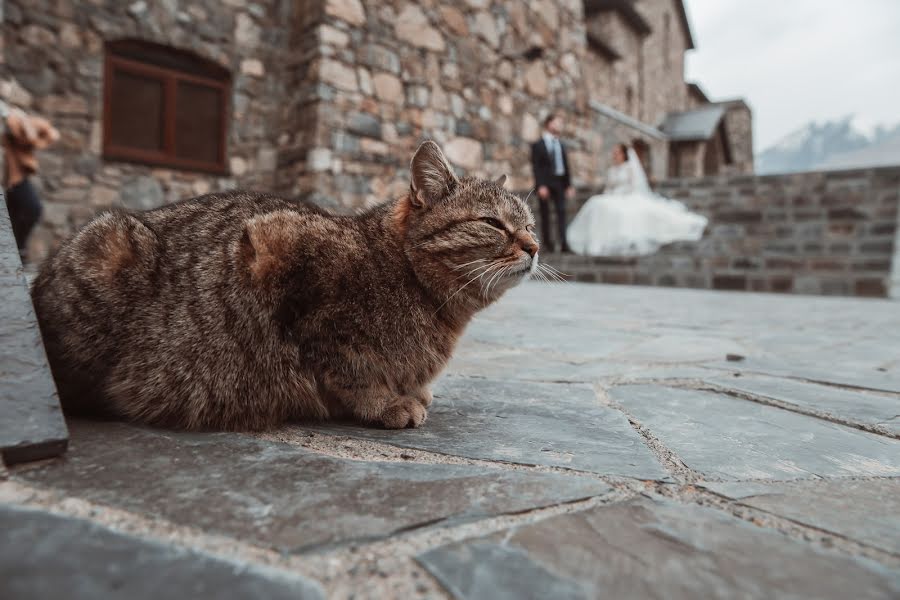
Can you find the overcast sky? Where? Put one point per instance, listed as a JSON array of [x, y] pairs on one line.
[[799, 60]]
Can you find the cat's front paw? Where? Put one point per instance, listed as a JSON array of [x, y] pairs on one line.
[[424, 396], [404, 412]]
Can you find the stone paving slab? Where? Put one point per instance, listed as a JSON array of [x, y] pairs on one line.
[[650, 549], [867, 511], [869, 408], [507, 362], [32, 425], [46, 556], [829, 370], [724, 437], [556, 425], [281, 496]]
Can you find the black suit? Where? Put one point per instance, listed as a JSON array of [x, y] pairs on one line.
[[542, 165]]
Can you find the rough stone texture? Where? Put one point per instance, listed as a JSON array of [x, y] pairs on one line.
[[554, 425], [875, 409], [284, 497], [646, 549], [47, 556], [863, 510], [351, 508], [31, 421], [724, 437], [807, 233]]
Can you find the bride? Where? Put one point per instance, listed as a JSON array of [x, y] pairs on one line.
[[629, 219]]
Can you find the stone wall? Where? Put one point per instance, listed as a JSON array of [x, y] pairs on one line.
[[811, 233], [477, 77], [739, 125], [54, 53], [662, 77]]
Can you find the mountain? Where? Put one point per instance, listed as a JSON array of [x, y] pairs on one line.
[[831, 145]]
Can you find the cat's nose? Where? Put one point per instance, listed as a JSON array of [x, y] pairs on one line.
[[531, 246]]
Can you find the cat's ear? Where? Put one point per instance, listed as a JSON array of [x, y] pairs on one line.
[[268, 243], [501, 181], [432, 177]]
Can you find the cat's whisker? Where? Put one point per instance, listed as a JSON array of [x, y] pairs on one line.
[[552, 273], [541, 274], [528, 197], [456, 292], [490, 271], [477, 260], [497, 276], [485, 267], [554, 269]]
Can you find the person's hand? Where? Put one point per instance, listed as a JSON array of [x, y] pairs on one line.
[[31, 131], [543, 192], [570, 192]]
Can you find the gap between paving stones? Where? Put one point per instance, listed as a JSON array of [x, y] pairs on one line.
[[389, 561], [685, 491], [670, 460], [705, 386], [790, 528], [767, 401], [341, 570], [843, 386]]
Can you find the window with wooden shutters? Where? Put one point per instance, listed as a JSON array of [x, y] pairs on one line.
[[164, 107]]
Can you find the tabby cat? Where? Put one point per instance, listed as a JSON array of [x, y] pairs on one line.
[[238, 311]]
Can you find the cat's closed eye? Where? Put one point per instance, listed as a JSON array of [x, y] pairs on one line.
[[496, 223]]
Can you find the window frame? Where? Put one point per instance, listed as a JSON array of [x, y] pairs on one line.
[[169, 78]]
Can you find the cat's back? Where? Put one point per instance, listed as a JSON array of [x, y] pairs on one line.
[[145, 286]]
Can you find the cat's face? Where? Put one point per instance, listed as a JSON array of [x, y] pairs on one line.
[[468, 238]]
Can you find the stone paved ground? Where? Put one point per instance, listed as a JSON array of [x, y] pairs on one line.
[[586, 441]]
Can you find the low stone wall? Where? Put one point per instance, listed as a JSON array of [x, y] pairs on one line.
[[809, 233]]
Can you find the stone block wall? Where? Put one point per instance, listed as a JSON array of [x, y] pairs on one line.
[[662, 75], [810, 233], [54, 56], [739, 125], [475, 76]]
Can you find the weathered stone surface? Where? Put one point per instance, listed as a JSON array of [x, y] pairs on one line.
[[48, 556], [338, 74], [865, 510], [351, 11], [142, 193], [388, 88], [556, 425], [536, 79], [455, 20], [645, 548], [847, 370], [413, 27], [31, 421], [724, 437], [870, 408], [465, 152], [282, 496]]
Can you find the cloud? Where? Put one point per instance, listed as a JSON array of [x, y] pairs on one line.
[[799, 60]]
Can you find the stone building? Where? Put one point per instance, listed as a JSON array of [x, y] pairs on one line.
[[326, 99]]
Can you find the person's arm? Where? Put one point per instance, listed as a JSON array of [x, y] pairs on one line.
[[539, 171], [570, 191]]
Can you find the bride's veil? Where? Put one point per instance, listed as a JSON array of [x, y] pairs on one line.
[[638, 177]]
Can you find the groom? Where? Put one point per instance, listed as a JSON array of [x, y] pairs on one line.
[[550, 166]]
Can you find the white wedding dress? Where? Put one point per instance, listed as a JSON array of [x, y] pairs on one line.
[[629, 219]]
